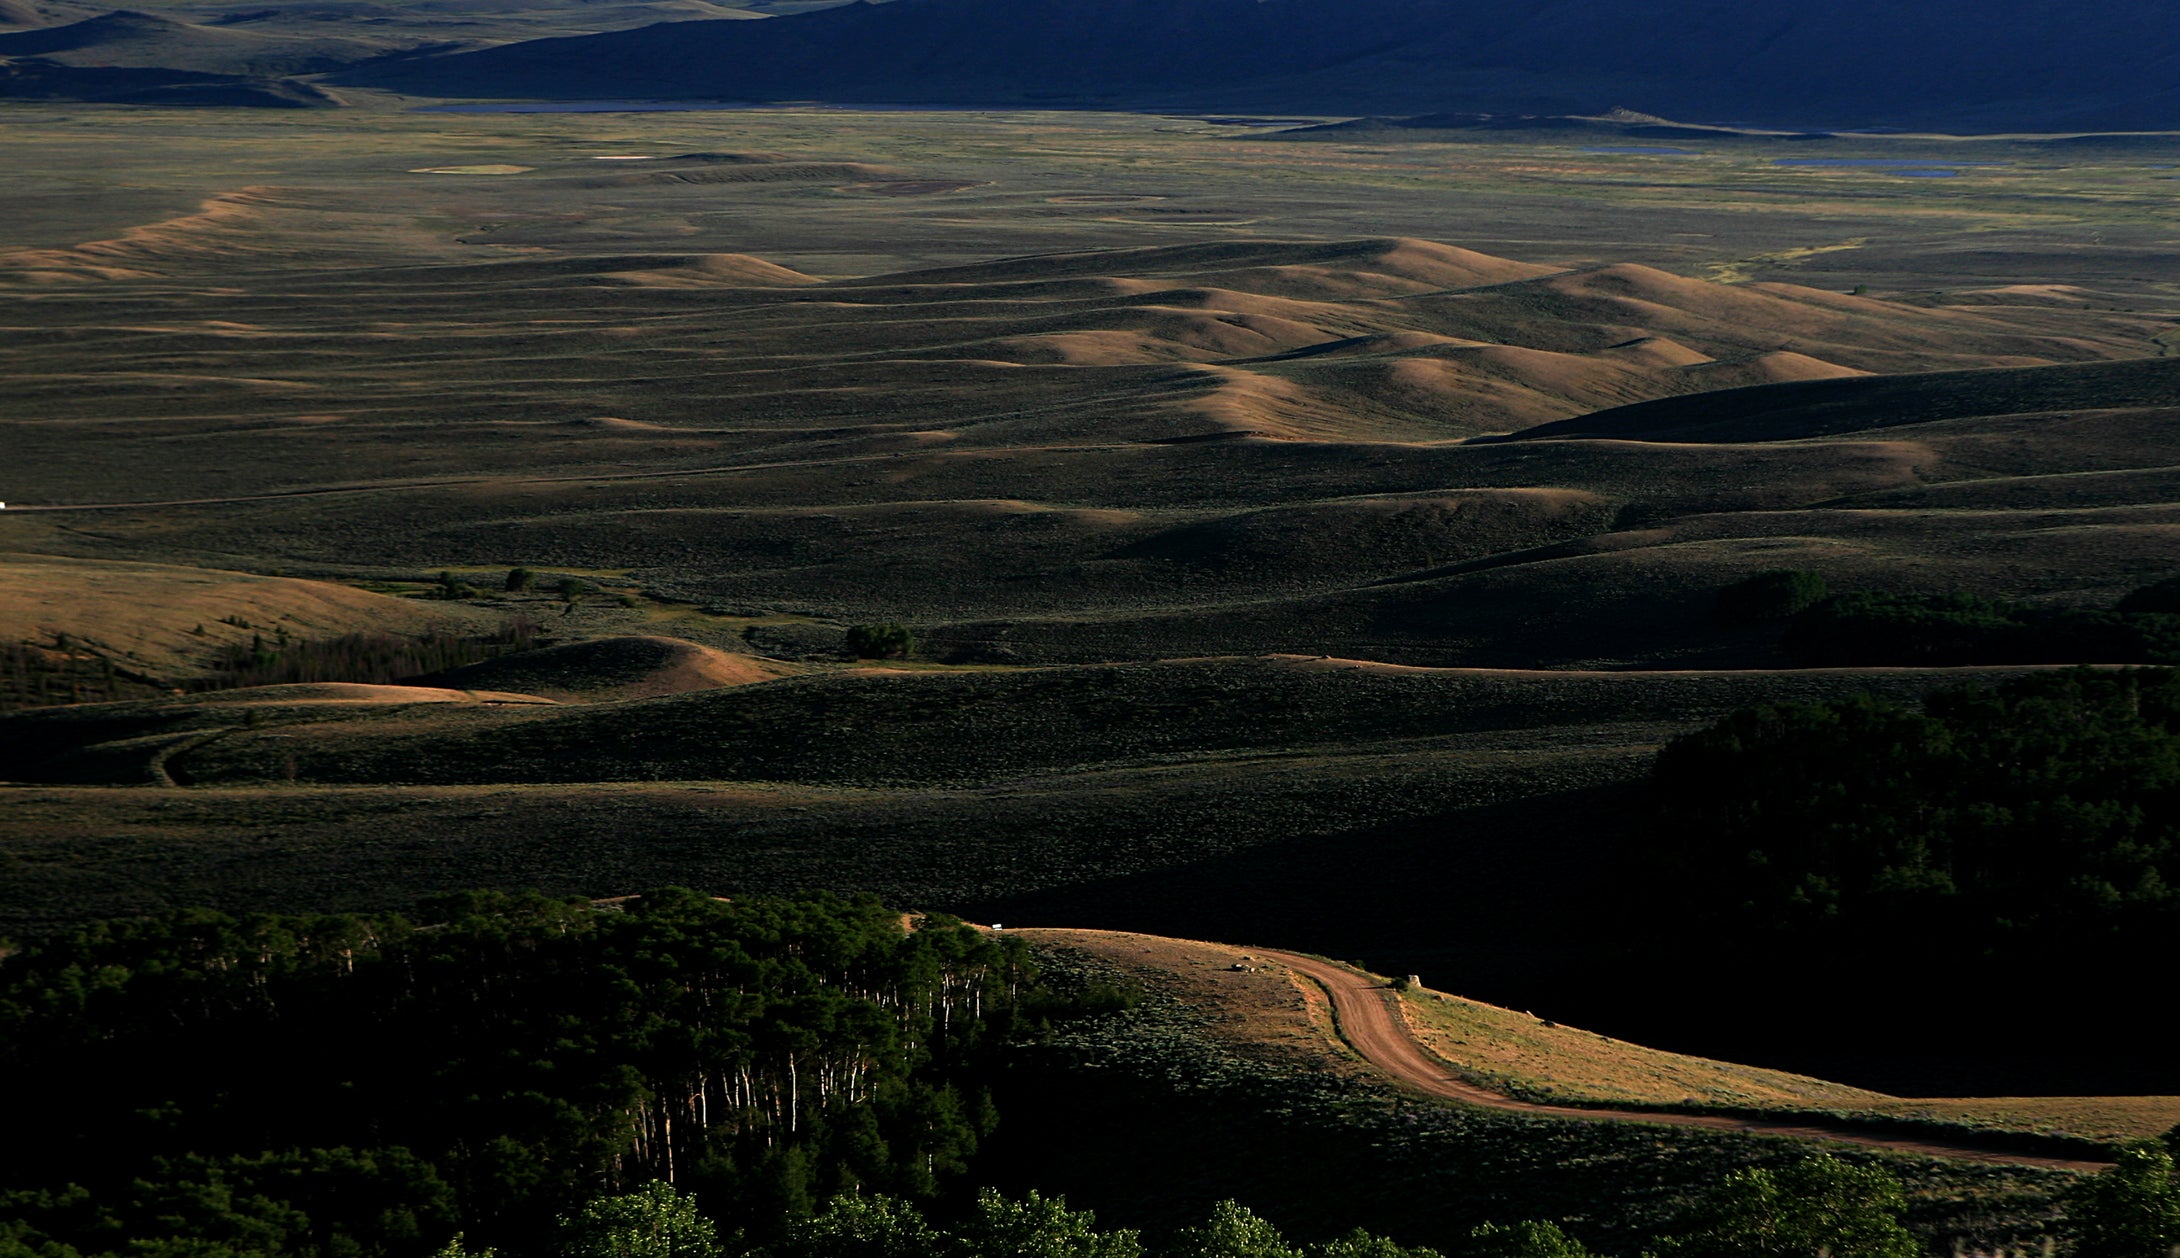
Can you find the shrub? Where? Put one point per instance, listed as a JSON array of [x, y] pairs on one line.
[[520, 580], [1773, 595]]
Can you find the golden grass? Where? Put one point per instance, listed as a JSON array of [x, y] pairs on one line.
[[147, 617], [2111, 1118], [1255, 1003], [1518, 1052]]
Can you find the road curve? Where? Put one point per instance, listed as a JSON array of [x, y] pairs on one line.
[[1368, 1021]]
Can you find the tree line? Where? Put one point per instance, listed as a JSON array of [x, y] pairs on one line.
[[1827, 629], [350, 1086], [1815, 1206], [1997, 865], [368, 658], [2038, 821], [537, 1077]]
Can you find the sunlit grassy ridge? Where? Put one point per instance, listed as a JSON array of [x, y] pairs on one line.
[[1535, 1058], [1255, 1099]]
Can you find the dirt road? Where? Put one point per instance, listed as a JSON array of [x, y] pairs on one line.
[[1369, 1022]]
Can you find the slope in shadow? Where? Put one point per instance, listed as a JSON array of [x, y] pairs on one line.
[[1824, 408]]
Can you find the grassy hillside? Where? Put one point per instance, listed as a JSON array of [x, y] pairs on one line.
[[1838, 407], [1225, 1080], [889, 727], [1518, 1053], [167, 624]]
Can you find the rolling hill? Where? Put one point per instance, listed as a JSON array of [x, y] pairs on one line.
[[1239, 611]]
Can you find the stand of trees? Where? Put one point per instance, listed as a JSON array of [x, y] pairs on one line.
[[1856, 630], [1951, 630], [2035, 822], [1998, 857], [1818, 1207], [348, 1087], [368, 658]]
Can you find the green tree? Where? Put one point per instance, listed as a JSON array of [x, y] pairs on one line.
[[19, 1240], [2129, 1211], [652, 1222], [1232, 1232], [455, 1248], [857, 1226], [1773, 595], [1820, 1207], [1361, 1244], [1041, 1227], [886, 641], [520, 580], [1530, 1239]]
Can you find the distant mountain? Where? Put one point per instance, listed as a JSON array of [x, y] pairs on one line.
[[128, 39], [227, 52], [35, 78], [1960, 64]]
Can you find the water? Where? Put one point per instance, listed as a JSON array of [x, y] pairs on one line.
[[580, 107], [689, 106], [1640, 150], [1896, 163]]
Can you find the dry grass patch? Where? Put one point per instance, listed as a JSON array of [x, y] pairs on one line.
[[2111, 1118], [1523, 1055], [169, 622]]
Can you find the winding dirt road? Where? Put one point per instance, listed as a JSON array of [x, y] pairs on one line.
[[1370, 1024]]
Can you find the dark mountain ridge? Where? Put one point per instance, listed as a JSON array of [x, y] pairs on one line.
[[2001, 65]]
